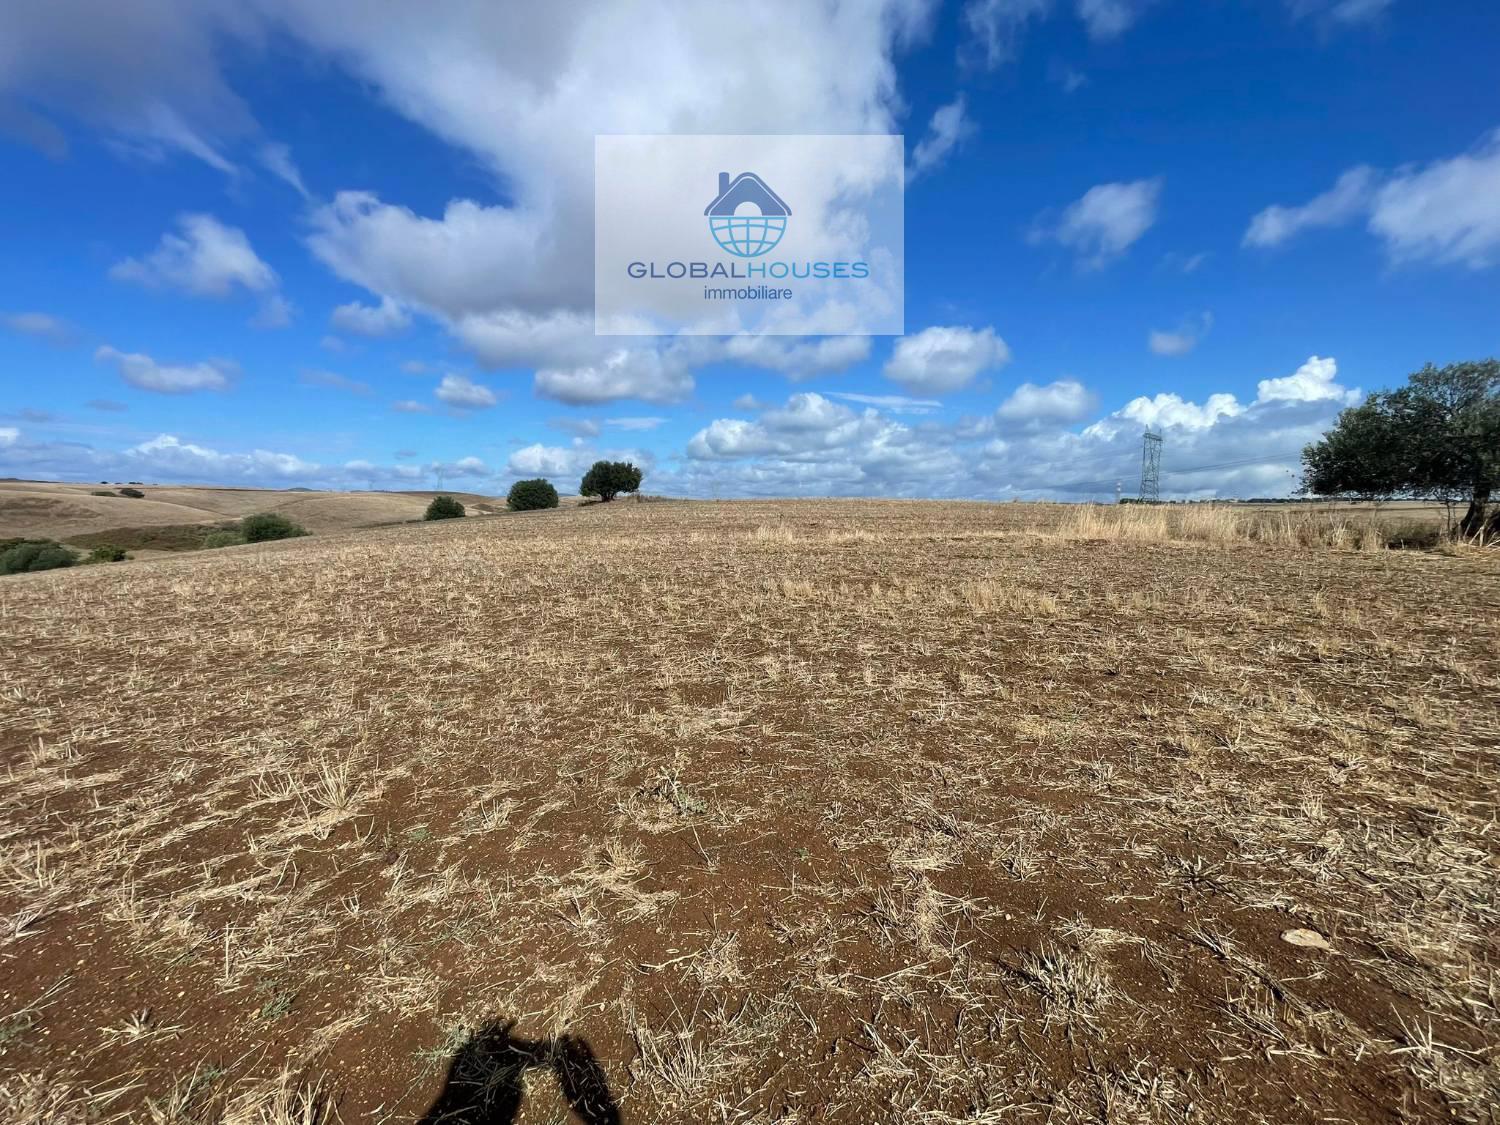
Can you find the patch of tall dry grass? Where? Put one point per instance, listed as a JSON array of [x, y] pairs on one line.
[[1208, 523]]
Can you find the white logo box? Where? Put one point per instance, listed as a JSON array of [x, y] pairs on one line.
[[762, 235]]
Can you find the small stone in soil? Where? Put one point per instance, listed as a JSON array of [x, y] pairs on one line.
[[1306, 939]]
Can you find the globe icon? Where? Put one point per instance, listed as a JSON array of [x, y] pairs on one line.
[[746, 218], [747, 236]]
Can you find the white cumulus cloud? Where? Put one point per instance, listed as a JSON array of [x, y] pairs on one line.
[[365, 320], [275, 312], [1312, 382], [1181, 340], [1105, 222], [1349, 197], [147, 374], [207, 259], [1109, 19], [277, 159], [950, 127], [943, 359], [166, 455], [807, 422], [44, 326], [148, 72], [625, 373], [538, 460], [569, 463], [498, 275], [1167, 409], [797, 360], [1444, 213], [462, 393], [995, 27], [315, 377], [1447, 212], [1031, 446], [1066, 400]]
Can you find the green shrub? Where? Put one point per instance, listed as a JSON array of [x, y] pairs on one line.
[[531, 495], [266, 526], [444, 508], [133, 493], [107, 554], [607, 479], [222, 537], [25, 556], [101, 492]]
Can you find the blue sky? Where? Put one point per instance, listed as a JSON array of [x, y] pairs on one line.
[[341, 243]]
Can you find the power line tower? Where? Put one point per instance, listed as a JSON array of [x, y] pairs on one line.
[[1151, 468]]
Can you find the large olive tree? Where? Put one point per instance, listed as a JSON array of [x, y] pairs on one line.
[[607, 479], [1437, 438]]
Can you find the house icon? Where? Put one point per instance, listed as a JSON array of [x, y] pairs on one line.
[[746, 235]]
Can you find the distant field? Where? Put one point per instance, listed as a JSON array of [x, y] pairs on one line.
[[781, 812], [67, 511]]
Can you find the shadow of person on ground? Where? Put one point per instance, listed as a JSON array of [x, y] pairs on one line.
[[485, 1082]]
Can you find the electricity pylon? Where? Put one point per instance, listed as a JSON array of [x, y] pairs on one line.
[[1151, 468]]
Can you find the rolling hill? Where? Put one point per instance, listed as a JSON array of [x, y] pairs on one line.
[[41, 509]]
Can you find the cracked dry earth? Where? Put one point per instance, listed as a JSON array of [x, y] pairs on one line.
[[786, 812]]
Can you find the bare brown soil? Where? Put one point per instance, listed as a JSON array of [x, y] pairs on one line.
[[774, 812]]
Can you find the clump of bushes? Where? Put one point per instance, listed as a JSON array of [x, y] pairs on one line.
[[444, 508], [263, 527], [266, 526], [531, 495], [26, 556], [133, 493], [108, 553], [102, 492]]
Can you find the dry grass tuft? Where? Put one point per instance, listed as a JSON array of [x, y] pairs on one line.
[[1336, 530]]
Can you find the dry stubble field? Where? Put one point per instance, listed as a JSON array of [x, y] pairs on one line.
[[795, 812]]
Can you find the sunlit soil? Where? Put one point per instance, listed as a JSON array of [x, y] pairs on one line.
[[791, 812]]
